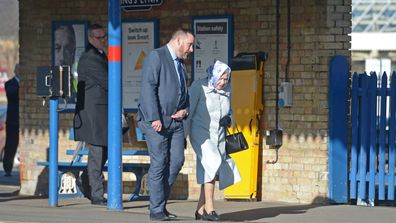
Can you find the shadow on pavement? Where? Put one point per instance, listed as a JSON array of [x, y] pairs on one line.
[[268, 212], [4, 197], [12, 180], [131, 204], [9, 185]]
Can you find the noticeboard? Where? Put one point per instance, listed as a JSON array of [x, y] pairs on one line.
[[213, 41], [139, 37]]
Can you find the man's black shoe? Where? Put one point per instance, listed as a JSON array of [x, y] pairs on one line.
[[101, 202], [169, 215], [159, 217], [83, 184]]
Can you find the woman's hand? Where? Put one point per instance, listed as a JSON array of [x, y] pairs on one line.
[[225, 121]]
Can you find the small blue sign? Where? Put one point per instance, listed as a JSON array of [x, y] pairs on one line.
[[139, 5]]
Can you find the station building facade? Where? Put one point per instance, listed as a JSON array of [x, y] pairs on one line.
[[319, 30]]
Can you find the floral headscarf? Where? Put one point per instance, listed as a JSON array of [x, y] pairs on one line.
[[215, 71]]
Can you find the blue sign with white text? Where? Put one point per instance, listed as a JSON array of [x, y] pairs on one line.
[[140, 3]]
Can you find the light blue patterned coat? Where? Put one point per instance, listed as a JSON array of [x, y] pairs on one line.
[[207, 137]]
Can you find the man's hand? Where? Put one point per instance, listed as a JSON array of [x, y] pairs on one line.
[[180, 115], [157, 125]]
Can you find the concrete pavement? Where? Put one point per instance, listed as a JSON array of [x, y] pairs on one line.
[[14, 208]]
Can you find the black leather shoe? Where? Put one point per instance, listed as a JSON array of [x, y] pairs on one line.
[[159, 217], [198, 216], [101, 202], [169, 215], [83, 185], [212, 216]]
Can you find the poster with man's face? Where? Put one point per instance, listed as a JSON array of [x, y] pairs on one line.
[[69, 42]]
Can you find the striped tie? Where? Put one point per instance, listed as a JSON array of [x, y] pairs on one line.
[[182, 79]]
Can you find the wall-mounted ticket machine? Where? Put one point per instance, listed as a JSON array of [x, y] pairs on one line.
[[246, 82]]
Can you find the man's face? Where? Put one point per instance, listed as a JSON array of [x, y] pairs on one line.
[[98, 39], [185, 44], [64, 48]]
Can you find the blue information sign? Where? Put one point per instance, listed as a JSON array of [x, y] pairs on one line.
[[139, 5]]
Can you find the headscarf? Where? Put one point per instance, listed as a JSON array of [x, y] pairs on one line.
[[215, 71]]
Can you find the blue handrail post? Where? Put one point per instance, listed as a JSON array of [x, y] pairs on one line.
[[114, 201], [53, 154], [338, 130]]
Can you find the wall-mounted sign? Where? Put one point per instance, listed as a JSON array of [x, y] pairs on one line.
[[139, 5], [213, 41], [139, 37]]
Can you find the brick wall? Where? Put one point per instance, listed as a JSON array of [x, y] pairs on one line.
[[318, 31]]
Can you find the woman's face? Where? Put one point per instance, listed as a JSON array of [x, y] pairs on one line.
[[222, 82]]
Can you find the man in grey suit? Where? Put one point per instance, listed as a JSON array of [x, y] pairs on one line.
[[163, 105], [90, 119]]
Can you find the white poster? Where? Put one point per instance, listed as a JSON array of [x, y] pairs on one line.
[[138, 39], [211, 43]]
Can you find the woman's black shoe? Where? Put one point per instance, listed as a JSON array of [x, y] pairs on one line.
[[212, 216], [198, 216]]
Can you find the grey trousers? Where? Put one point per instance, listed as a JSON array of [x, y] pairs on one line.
[[166, 150], [97, 157]]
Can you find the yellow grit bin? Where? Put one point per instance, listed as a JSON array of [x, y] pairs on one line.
[[246, 82]]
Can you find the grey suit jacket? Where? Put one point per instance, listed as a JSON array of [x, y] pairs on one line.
[[160, 89]]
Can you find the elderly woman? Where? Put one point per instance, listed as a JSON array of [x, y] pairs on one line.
[[210, 109]]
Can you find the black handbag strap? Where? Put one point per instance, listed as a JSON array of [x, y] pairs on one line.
[[234, 135], [233, 123]]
